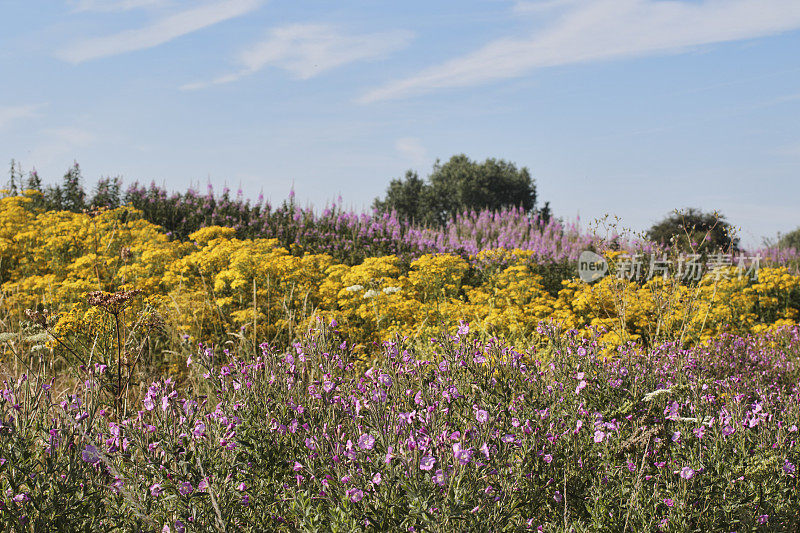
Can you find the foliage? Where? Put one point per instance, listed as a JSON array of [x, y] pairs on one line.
[[460, 185], [215, 284], [790, 240], [693, 230]]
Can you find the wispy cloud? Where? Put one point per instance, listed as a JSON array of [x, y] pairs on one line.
[[306, 50], [411, 148], [159, 32], [9, 114], [585, 31], [115, 5], [789, 150], [71, 136]]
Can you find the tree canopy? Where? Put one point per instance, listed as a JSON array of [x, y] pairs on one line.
[[692, 229], [459, 185]]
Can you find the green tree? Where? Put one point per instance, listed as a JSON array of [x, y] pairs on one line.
[[107, 193], [790, 240], [73, 195], [460, 185], [408, 197], [691, 229]]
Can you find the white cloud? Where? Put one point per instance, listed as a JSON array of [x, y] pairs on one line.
[[411, 148], [789, 150], [306, 50], [159, 32], [59, 145], [540, 6], [116, 5], [9, 114], [604, 30], [71, 136]]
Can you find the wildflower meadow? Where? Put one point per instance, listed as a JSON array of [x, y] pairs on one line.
[[198, 363]]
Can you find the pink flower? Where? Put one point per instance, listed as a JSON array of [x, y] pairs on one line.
[[599, 436], [481, 416], [354, 494], [185, 488], [156, 490], [366, 442], [463, 456], [377, 478], [485, 450], [669, 502], [548, 458], [89, 454], [763, 519], [426, 463], [686, 472]]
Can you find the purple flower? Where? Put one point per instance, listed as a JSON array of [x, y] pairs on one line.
[[199, 429], [148, 403], [463, 456], [686, 472], [439, 477], [484, 449], [354, 494], [599, 436], [89, 454], [669, 502], [385, 380], [548, 458], [376, 478], [558, 497], [185, 488], [366, 442], [676, 437], [788, 467], [427, 462], [763, 519], [156, 490], [481, 416]]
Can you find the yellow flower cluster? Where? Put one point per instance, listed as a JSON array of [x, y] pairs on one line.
[[216, 284]]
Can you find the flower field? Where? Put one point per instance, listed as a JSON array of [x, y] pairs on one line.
[[215, 283], [459, 435], [278, 370]]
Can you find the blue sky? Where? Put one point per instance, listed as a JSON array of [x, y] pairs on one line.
[[623, 107]]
